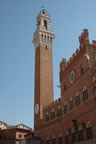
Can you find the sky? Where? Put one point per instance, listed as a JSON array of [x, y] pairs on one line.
[[17, 52]]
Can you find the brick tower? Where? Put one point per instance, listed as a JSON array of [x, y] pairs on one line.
[[43, 37]]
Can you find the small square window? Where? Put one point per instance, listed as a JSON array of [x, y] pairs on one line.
[[20, 136]]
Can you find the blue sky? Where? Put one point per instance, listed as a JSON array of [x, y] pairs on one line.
[[17, 53]]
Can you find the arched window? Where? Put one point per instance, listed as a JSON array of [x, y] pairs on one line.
[[45, 24], [53, 139], [60, 139], [52, 114], [71, 104], [42, 38], [89, 131], [65, 107], [47, 117], [59, 111], [47, 39], [85, 93], [50, 40], [77, 100], [80, 133], [67, 137], [73, 138], [47, 140]]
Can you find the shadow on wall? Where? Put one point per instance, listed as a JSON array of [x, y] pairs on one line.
[[92, 141], [32, 140]]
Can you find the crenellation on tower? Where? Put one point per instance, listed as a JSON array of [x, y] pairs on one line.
[[50, 106], [73, 55], [84, 45], [77, 51], [71, 58], [94, 42], [63, 64], [84, 38]]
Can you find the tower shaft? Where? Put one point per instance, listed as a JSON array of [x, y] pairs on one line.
[[43, 38]]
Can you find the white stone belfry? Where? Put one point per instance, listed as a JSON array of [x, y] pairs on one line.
[[43, 33]]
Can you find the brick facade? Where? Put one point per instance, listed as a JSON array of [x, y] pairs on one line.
[[72, 118]]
